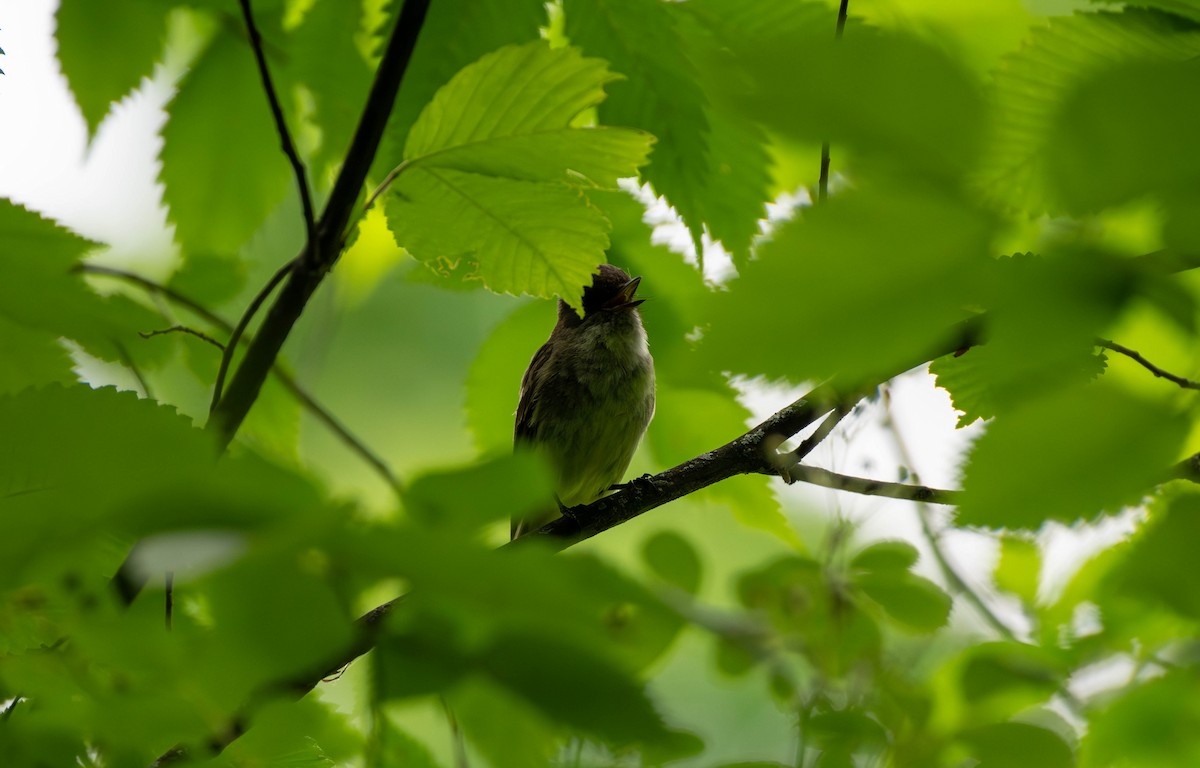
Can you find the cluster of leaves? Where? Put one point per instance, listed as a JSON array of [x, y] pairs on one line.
[[1041, 207]]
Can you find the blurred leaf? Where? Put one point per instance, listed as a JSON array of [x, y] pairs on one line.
[[905, 289], [882, 93], [487, 165], [291, 734], [1187, 8], [1019, 568], [105, 49], [209, 279], [571, 685], [1126, 132], [1152, 724], [999, 679], [1018, 745], [673, 559], [219, 120], [1030, 86], [661, 93], [398, 749], [42, 292], [495, 377], [1157, 567], [1065, 457], [886, 556], [845, 731], [503, 726], [494, 489], [909, 599], [325, 56]]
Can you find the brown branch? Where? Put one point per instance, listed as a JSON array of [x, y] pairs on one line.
[[183, 329], [304, 279], [1149, 366], [802, 473]]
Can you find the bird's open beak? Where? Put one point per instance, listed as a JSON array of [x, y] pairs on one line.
[[624, 298]]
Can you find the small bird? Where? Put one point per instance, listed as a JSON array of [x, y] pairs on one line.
[[588, 394]]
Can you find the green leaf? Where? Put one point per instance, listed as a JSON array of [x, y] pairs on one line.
[[29, 357], [1158, 567], [1018, 745], [914, 601], [886, 556], [888, 293], [1125, 132], [883, 94], [512, 486], [1019, 567], [1065, 456], [661, 95], [489, 170], [1189, 9], [218, 121], [1000, 679], [1030, 86], [495, 377], [969, 384], [453, 36], [673, 560], [105, 49], [1152, 724], [325, 57], [575, 687]]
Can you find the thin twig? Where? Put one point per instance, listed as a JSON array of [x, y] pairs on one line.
[[240, 328], [933, 538], [1149, 366], [229, 413], [183, 329], [133, 367], [169, 607], [319, 411], [823, 182], [285, 136], [801, 473]]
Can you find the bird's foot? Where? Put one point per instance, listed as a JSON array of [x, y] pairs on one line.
[[645, 482]]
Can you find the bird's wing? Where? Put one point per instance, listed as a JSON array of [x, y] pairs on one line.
[[525, 431]]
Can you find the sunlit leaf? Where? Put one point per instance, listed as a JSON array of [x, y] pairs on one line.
[[488, 170]]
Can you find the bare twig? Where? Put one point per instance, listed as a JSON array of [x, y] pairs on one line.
[[183, 329], [240, 328], [823, 182], [285, 136], [801, 473], [1149, 366], [319, 411]]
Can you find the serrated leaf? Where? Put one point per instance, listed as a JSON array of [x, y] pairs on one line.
[[1189, 9], [43, 292], [661, 95], [969, 384], [218, 121], [1065, 456], [105, 49], [888, 316], [1030, 86], [488, 170]]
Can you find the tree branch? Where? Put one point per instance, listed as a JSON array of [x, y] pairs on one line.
[[1149, 366], [802, 473], [308, 401], [823, 181], [306, 276]]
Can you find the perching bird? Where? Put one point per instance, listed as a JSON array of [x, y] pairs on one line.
[[588, 393]]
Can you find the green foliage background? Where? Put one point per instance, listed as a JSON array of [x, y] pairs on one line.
[[1026, 168]]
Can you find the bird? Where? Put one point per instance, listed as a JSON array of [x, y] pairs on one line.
[[587, 396]]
